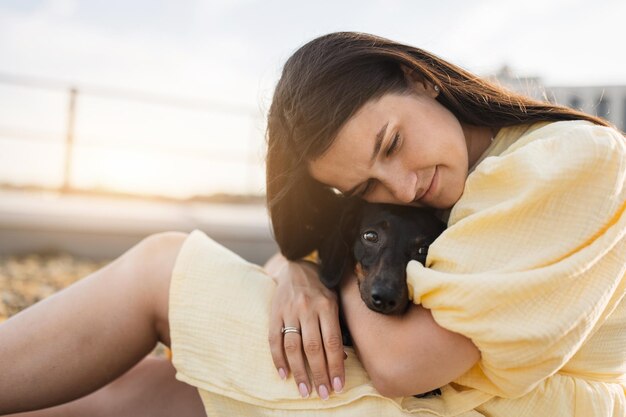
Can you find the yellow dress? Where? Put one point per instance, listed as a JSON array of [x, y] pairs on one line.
[[531, 268]]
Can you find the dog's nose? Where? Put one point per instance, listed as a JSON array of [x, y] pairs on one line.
[[383, 299]]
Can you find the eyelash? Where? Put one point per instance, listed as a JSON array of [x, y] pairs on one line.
[[394, 144], [390, 151]]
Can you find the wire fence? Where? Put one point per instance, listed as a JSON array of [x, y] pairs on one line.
[[222, 142]]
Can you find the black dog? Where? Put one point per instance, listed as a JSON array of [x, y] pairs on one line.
[[377, 241]]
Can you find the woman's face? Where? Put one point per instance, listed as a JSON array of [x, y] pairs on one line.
[[402, 149]]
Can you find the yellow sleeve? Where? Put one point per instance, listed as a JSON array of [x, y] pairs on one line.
[[534, 257]]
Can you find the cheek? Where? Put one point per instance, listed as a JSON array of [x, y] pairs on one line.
[[453, 184], [451, 152], [358, 270]]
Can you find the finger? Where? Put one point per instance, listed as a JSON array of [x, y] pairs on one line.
[[333, 347], [314, 350], [275, 338], [292, 343]]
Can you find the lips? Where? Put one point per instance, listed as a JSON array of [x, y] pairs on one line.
[[430, 186]]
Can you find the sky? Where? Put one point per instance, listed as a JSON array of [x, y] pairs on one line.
[[230, 52]]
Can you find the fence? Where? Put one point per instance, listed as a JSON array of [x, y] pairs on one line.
[[218, 145]]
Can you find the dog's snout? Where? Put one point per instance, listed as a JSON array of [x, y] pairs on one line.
[[383, 299]]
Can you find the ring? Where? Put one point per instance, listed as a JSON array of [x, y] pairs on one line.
[[285, 330]]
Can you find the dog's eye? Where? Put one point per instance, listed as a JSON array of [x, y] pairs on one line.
[[370, 236]]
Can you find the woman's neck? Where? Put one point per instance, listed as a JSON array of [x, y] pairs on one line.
[[478, 139]]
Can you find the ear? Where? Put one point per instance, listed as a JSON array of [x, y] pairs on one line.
[[335, 259], [420, 84], [335, 252]]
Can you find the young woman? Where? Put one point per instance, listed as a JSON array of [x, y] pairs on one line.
[[520, 310]]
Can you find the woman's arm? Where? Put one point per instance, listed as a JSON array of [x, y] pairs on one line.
[[404, 355]]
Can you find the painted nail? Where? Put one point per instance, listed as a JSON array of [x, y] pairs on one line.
[[282, 373], [304, 391], [323, 391], [337, 386]]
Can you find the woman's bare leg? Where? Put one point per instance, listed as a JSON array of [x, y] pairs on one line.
[[148, 390], [87, 335]]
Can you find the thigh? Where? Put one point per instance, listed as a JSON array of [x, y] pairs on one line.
[[149, 389]]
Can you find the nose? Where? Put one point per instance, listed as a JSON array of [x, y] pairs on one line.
[[401, 184], [383, 299]]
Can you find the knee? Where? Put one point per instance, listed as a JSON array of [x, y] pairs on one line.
[[153, 263], [154, 257], [163, 240]]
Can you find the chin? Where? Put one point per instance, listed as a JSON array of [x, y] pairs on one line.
[[446, 200]]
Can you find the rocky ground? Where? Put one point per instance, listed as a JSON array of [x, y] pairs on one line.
[[26, 279]]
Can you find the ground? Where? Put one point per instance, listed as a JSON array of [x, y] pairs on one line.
[[26, 279]]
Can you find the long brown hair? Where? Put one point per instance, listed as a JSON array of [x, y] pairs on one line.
[[327, 81]]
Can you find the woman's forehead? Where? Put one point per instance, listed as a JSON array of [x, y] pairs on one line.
[[348, 160], [360, 130]]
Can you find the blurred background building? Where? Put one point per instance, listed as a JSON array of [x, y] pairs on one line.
[[606, 101]]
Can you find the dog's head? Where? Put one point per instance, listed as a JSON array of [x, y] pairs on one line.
[[377, 241]]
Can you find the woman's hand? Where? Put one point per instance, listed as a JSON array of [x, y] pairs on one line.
[[303, 302]]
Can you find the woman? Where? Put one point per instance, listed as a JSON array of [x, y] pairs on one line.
[[520, 312]]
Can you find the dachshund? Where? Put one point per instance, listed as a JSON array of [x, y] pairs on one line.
[[377, 241]]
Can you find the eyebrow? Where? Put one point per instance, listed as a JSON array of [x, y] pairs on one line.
[[377, 146]]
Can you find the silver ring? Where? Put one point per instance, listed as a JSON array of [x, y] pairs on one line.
[[288, 329]]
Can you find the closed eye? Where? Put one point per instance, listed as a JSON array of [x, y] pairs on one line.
[[394, 145], [392, 148]]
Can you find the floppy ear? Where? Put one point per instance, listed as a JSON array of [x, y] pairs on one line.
[[335, 252]]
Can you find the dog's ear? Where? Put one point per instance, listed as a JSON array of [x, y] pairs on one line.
[[335, 258], [335, 252]]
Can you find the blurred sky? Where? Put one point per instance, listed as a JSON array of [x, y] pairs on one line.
[[232, 51]]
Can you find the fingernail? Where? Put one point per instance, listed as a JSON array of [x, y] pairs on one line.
[[282, 373], [345, 355], [337, 384], [304, 391], [323, 391]]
